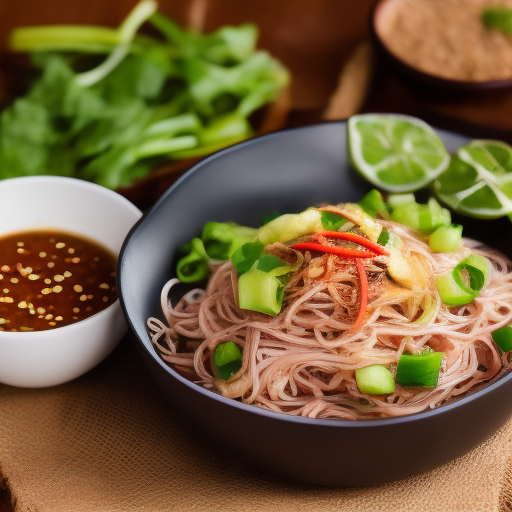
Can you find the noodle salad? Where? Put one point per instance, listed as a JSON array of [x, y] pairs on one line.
[[350, 311]]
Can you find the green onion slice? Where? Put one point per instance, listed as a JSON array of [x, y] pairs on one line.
[[446, 238], [419, 370], [193, 266], [222, 239], [227, 359], [503, 338], [262, 287], [465, 282], [407, 213], [424, 217], [373, 204], [433, 216], [375, 380], [396, 199]]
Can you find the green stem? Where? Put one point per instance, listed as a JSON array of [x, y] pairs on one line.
[[62, 37], [163, 147], [206, 150], [97, 74], [174, 124], [139, 14]]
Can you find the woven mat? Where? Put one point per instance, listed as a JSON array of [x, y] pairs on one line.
[[110, 442]]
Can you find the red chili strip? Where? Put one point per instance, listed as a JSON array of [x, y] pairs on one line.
[[344, 213], [363, 280], [340, 251], [376, 248]]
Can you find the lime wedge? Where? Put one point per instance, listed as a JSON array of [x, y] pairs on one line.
[[396, 153], [478, 181]]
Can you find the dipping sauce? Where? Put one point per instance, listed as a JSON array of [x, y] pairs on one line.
[[49, 279]]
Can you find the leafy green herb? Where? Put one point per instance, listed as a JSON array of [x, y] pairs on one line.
[[332, 221], [383, 237], [111, 104]]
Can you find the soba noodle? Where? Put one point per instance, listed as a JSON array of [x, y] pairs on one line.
[[302, 361]]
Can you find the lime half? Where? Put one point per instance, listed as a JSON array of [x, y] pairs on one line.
[[396, 153], [478, 181]]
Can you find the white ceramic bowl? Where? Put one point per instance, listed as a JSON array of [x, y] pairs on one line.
[[46, 358]]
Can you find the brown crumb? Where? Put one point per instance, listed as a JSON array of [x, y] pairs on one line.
[[447, 38]]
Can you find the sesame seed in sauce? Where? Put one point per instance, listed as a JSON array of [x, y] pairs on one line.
[[70, 278]]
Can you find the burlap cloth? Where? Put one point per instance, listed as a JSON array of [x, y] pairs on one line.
[[110, 442]]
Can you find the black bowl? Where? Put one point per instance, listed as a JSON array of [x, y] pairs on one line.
[[288, 171], [426, 82]]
